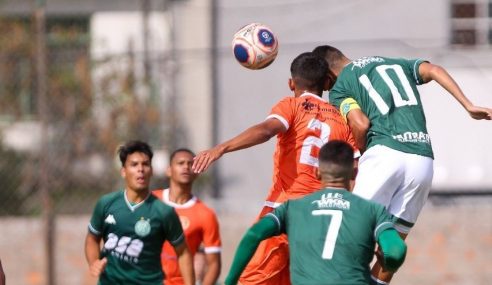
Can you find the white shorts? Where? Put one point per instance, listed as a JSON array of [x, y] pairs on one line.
[[400, 181]]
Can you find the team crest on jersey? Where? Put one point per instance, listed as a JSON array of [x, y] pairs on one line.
[[185, 222], [142, 227]]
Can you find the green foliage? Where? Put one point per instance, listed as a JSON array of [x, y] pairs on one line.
[[88, 117]]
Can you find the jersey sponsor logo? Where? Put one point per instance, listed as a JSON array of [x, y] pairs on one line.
[[419, 137], [308, 105], [110, 220], [363, 61], [332, 200], [142, 227], [123, 248]]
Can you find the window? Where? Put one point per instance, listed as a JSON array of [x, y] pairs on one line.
[[67, 44], [471, 23]]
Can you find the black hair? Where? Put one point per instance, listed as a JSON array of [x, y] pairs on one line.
[[134, 146], [336, 159], [183, 149], [331, 54], [309, 72]]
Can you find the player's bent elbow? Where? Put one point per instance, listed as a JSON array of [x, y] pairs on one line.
[[395, 257], [393, 249]]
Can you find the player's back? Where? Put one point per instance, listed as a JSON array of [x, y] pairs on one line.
[[332, 234], [310, 122], [386, 91]]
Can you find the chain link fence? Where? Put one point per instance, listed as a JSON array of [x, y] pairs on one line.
[[61, 123]]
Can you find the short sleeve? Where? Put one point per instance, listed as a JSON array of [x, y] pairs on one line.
[[173, 229], [211, 234], [337, 96], [284, 111], [97, 219], [413, 67]]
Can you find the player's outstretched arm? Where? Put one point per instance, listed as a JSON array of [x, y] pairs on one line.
[[185, 261], [256, 134], [264, 229], [92, 248], [434, 72], [392, 250]]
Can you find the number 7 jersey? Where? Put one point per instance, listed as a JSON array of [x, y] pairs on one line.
[[332, 234], [310, 122], [385, 89]]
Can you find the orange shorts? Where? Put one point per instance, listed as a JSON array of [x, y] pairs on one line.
[[270, 263]]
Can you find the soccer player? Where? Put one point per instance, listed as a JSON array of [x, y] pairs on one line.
[[378, 96], [332, 233], [133, 225], [302, 123], [200, 224]]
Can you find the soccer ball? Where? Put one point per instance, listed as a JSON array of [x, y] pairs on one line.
[[255, 46]]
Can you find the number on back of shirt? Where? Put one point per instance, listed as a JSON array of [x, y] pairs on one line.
[[332, 232], [397, 96], [324, 130]]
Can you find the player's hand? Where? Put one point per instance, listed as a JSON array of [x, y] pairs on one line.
[[480, 113], [98, 266], [205, 158]]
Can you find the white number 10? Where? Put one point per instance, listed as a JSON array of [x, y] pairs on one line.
[[332, 233], [397, 98]]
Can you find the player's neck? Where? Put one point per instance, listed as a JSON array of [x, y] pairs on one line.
[[136, 196], [336, 184], [341, 65], [298, 93], [179, 194]]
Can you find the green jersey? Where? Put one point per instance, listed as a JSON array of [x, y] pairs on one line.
[[332, 235], [385, 89], [133, 236]]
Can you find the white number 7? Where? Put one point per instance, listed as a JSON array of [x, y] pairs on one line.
[[332, 233]]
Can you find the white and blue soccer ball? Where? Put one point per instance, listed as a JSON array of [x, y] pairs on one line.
[[255, 46]]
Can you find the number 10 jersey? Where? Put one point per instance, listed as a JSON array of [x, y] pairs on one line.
[[385, 89]]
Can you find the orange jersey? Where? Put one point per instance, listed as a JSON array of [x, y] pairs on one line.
[[200, 226], [310, 122]]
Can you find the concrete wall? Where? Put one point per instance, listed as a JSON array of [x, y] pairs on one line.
[[450, 245]]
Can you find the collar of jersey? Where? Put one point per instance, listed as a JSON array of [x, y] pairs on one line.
[[312, 95], [134, 207], [188, 204]]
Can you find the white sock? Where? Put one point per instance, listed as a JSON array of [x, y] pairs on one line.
[[379, 282]]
